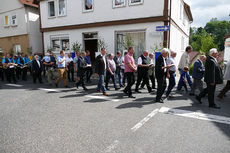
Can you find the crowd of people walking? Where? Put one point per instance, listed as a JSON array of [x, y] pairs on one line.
[[121, 69]]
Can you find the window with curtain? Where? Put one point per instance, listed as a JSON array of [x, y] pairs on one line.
[[88, 5], [14, 20], [136, 37], [51, 8], [59, 43], [135, 2], [118, 3], [62, 8]]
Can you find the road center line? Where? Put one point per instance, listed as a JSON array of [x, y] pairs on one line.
[[142, 122], [14, 85], [102, 97], [196, 115]]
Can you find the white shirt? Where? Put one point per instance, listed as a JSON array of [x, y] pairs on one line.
[[104, 60], [38, 63], [139, 61], [164, 59], [171, 61], [68, 60], [184, 61]]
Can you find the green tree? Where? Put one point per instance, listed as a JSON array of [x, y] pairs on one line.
[[218, 29], [76, 46], [207, 42]]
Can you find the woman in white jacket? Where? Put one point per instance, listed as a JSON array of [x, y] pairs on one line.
[[226, 77]]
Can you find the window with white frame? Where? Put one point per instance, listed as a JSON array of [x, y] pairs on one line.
[[17, 49], [118, 3], [6, 21], [135, 2], [181, 11], [182, 43], [88, 5], [14, 21], [59, 43], [51, 9], [0, 50], [61, 7]]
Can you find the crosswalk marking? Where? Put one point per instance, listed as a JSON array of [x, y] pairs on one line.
[[102, 97], [14, 85], [196, 115], [52, 90]]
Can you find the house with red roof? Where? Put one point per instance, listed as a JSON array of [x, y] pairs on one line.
[[20, 27]]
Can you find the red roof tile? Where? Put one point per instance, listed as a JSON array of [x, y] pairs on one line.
[[29, 3]]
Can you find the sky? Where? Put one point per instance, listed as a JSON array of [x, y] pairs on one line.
[[204, 10]]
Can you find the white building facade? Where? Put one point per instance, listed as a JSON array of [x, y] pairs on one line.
[[114, 24], [20, 27]]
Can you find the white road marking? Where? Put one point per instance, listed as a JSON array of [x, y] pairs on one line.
[[14, 85], [102, 97], [52, 90], [112, 146], [196, 115], [142, 122]]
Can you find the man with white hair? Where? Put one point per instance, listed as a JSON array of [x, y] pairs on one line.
[[142, 71], [171, 72], [161, 72], [198, 74], [212, 76]]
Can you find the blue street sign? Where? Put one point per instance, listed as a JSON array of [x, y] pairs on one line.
[[162, 28]]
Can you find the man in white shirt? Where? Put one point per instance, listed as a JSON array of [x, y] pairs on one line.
[[171, 72], [142, 71], [184, 62], [70, 66]]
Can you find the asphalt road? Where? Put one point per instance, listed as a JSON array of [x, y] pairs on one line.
[[44, 119]]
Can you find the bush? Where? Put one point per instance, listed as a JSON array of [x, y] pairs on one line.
[[191, 69]]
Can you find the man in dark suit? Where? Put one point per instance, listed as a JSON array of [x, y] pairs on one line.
[[81, 74], [37, 69], [100, 67], [161, 73], [198, 74], [212, 76]]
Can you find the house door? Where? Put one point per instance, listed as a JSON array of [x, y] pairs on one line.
[[91, 44]]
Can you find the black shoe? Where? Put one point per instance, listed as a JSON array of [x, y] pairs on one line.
[[198, 99], [56, 85], [107, 88], [131, 96], [137, 91], [214, 106], [191, 94], [76, 85], [41, 82], [117, 88], [85, 89], [125, 92], [159, 101]]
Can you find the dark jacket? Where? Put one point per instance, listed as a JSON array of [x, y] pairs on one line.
[[81, 65], [100, 65], [213, 73], [35, 66], [198, 70], [159, 72]]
